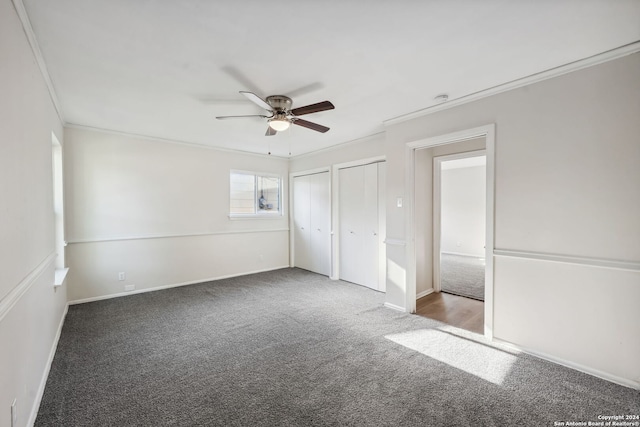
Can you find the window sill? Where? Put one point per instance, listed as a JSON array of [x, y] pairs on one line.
[[61, 274], [275, 215]]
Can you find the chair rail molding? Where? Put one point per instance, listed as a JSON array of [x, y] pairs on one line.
[[7, 303]]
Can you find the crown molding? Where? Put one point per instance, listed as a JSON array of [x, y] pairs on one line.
[[37, 53], [338, 146], [600, 58], [171, 141]]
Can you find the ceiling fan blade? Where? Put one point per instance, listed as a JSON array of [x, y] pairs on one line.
[[241, 78], [305, 90], [313, 108], [240, 117], [257, 100], [310, 125], [270, 131]]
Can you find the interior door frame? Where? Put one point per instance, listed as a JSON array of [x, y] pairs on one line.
[[437, 207], [488, 132], [292, 175]]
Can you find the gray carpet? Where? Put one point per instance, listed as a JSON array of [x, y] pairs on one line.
[[292, 348], [462, 275]]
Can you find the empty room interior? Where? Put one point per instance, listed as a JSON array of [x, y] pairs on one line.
[[319, 213]]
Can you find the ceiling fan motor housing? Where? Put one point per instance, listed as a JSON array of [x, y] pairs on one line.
[[282, 116], [280, 103]]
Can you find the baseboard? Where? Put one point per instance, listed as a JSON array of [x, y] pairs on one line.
[[462, 254], [394, 307], [175, 285], [424, 293], [576, 366], [45, 374]]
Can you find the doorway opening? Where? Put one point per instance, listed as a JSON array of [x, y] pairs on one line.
[[459, 217], [450, 228]]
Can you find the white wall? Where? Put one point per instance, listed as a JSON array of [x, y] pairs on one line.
[[566, 192], [159, 211], [462, 204], [364, 148], [31, 310]]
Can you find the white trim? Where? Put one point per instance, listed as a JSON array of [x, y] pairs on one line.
[[563, 362], [61, 274], [259, 216], [463, 254], [310, 172], [45, 375], [436, 222], [339, 146], [170, 141], [570, 259], [361, 162], [14, 295], [394, 307], [395, 242], [437, 207], [488, 132], [424, 293], [170, 236], [35, 48], [600, 58], [174, 285]]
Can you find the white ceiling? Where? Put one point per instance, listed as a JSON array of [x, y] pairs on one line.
[[166, 68]]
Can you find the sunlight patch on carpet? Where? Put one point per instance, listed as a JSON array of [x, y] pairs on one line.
[[477, 359]]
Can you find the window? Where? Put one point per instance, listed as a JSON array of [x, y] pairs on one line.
[[254, 194], [58, 209]]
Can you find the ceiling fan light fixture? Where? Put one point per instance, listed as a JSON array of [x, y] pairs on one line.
[[279, 124]]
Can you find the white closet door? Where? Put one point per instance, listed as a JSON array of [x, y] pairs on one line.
[[351, 200], [320, 224], [382, 226], [361, 216], [369, 220], [301, 222]]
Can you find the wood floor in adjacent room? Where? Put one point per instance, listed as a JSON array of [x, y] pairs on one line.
[[454, 310]]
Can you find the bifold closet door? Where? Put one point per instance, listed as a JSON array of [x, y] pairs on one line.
[[320, 222], [301, 222], [312, 222], [370, 227], [351, 199], [359, 225]]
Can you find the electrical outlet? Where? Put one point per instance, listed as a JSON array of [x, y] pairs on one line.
[[121, 276], [129, 287], [14, 414], [458, 243]]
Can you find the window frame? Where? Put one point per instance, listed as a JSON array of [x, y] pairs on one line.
[[257, 214]]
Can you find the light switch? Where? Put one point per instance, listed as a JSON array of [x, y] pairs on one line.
[[399, 202]]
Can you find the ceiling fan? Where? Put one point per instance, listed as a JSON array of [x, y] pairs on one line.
[[281, 115]]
